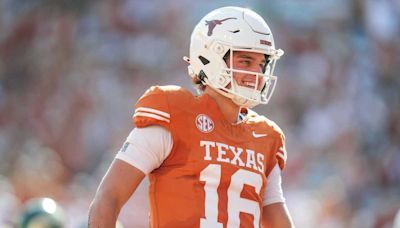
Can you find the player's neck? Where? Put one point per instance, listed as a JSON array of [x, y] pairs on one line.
[[225, 104]]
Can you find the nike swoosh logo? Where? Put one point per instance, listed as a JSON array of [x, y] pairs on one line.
[[258, 135]]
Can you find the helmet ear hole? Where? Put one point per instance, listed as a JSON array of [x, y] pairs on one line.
[[204, 60], [226, 55]]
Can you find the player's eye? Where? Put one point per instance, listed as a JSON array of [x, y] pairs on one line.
[[245, 62]]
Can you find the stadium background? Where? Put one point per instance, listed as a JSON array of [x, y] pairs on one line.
[[71, 71]]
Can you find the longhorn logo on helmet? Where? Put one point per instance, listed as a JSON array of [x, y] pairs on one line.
[[211, 24]]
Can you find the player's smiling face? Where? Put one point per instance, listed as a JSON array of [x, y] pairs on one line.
[[247, 61]]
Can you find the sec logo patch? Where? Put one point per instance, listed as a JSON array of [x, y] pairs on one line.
[[204, 123]]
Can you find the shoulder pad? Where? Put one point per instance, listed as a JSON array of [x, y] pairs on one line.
[[156, 105], [152, 108], [263, 122], [270, 126]]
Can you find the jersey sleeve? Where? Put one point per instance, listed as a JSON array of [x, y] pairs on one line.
[[146, 148], [152, 109], [281, 154], [273, 192], [279, 147]]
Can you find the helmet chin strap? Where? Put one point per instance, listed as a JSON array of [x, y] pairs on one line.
[[243, 102], [240, 101]]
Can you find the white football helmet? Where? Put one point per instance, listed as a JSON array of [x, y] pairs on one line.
[[231, 29]]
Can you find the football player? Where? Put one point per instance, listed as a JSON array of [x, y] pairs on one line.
[[210, 159]]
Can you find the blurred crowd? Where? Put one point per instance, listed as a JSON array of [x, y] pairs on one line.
[[71, 71]]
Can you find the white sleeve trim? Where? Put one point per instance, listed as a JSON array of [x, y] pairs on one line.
[[146, 148], [152, 110], [273, 192]]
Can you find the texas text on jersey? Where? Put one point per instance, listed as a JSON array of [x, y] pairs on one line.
[[217, 171]]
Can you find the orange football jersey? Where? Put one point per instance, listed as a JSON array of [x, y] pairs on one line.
[[217, 171]]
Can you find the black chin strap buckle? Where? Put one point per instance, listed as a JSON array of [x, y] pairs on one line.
[[202, 76]]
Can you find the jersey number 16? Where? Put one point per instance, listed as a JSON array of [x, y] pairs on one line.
[[211, 175]]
